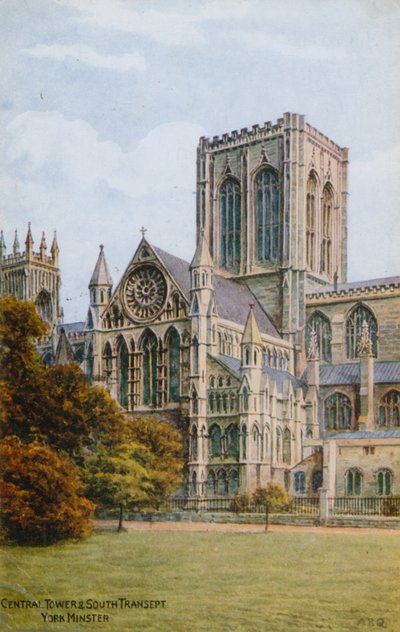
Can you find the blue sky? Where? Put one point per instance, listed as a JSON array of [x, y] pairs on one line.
[[102, 103]]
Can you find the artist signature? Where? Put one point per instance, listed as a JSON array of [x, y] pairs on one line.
[[369, 622]]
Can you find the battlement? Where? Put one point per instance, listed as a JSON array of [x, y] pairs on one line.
[[22, 258], [355, 289], [245, 135], [18, 258]]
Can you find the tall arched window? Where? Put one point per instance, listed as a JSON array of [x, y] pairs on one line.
[[194, 484], [173, 366], [358, 316], [194, 440], [232, 436], [384, 483], [230, 223], [107, 361], [287, 453], [214, 441], [245, 397], [326, 241], [256, 443], [233, 483], [222, 482], [195, 348], [389, 410], [320, 324], [353, 482], [278, 445], [149, 347], [211, 483], [337, 412], [300, 483], [244, 441], [311, 220], [89, 361], [123, 372], [268, 225]]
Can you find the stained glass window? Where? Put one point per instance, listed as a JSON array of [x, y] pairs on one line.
[[353, 482], [358, 316], [389, 410], [384, 482], [337, 412], [322, 327], [230, 224], [268, 221], [311, 220]]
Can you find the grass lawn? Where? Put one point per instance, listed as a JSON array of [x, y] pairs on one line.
[[274, 582]]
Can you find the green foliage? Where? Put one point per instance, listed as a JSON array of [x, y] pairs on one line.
[[241, 503], [274, 495], [42, 495]]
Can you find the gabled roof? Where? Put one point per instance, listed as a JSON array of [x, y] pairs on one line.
[[384, 373], [274, 374], [232, 298], [64, 353], [101, 274]]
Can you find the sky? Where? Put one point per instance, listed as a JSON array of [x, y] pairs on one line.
[[102, 103]]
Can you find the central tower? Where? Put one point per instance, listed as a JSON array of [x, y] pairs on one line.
[[272, 202]]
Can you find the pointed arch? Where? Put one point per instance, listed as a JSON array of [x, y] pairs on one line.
[[287, 446], [89, 361], [311, 219], [359, 314], [211, 483], [337, 412], [123, 371], [326, 229], [267, 220], [44, 306], [195, 351], [148, 343], [232, 441], [173, 343], [230, 223], [233, 482], [321, 325], [107, 361], [214, 440], [221, 483], [389, 410]]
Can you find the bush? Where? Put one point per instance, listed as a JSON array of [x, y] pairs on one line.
[[273, 494], [391, 507], [241, 502], [42, 495]]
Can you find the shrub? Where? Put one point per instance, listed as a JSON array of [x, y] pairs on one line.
[[42, 495], [391, 507], [273, 494], [241, 502]]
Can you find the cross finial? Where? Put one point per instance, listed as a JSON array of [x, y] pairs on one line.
[[143, 230]]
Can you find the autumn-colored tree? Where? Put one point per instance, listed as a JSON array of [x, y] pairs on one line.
[[21, 368], [41, 493]]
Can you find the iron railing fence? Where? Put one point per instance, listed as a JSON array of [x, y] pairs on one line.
[[363, 506], [296, 505]]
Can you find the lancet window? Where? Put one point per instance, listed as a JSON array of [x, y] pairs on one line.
[[389, 410], [320, 324], [267, 215], [337, 410], [230, 224], [358, 316], [311, 220]]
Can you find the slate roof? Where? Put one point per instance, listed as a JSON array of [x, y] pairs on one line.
[[357, 285], [384, 373], [232, 298], [72, 328], [379, 434], [274, 374]]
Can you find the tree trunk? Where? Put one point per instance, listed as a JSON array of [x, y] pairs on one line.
[[121, 512]]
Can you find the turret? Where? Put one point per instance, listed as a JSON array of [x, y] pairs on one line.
[[29, 243], [251, 342], [16, 247], [43, 247], [54, 249], [100, 288], [2, 246]]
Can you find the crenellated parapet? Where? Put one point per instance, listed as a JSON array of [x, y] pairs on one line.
[[242, 137]]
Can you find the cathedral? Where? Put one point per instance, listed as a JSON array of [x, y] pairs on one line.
[[273, 365]]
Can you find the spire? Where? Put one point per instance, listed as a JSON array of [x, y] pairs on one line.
[[29, 241], [365, 344], [54, 248], [43, 246], [202, 255], [64, 353], [16, 247], [251, 334], [2, 246], [101, 274]]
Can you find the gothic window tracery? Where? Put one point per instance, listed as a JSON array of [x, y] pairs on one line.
[[267, 213], [287, 457], [107, 361], [326, 241], [320, 324], [174, 349], [311, 220], [389, 410], [384, 482], [232, 443], [230, 224], [360, 314], [214, 441], [300, 483], [353, 480], [337, 412], [122, 372], [149, 388]]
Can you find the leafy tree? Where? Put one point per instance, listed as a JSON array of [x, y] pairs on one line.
[[165, 456], [273, 494], [42, 494]]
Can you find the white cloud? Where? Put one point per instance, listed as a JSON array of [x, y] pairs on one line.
[[60, 175], [165, 27], [86, 55], [281, 45]]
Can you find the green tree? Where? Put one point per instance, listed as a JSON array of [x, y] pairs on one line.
[[273, 494], [42, 495]]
